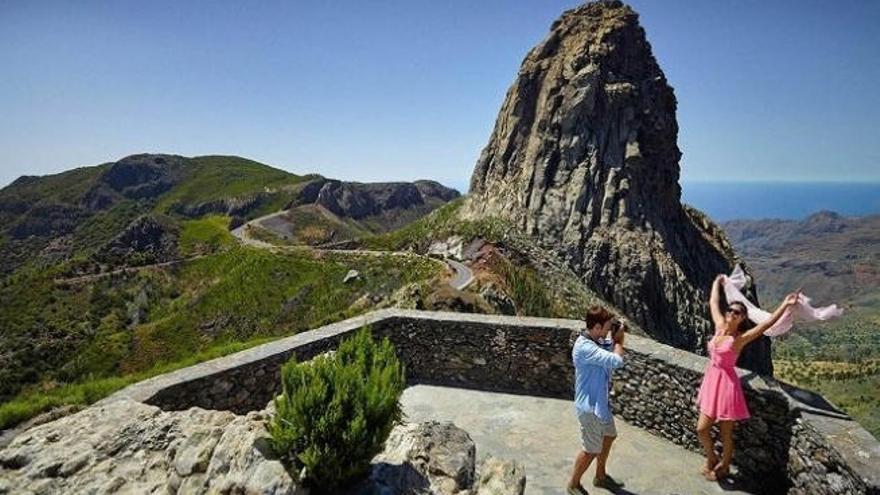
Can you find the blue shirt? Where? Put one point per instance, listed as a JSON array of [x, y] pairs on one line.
[[592, 376]]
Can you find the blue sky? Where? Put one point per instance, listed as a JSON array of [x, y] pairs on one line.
[[399, 90]]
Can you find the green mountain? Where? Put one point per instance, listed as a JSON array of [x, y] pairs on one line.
[[116, 272], [83, 213]]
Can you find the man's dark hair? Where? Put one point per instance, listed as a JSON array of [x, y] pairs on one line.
[[597, 315]]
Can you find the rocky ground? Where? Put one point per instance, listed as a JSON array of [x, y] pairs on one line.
[[128, 447]]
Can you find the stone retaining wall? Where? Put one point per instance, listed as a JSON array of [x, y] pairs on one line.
[[788, 443]]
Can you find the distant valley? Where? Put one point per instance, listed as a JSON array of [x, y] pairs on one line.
[[835, 259]]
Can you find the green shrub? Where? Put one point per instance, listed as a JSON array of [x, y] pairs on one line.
[[336, 410]]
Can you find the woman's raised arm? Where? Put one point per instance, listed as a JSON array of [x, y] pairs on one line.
[[750, 335], [715, 302]]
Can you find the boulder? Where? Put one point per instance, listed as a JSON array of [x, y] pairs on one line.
[[126, 446], [439, 459], [498, 299], [453, 247]]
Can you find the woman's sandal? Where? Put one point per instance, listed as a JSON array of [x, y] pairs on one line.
[[708, 472], [720, 474]]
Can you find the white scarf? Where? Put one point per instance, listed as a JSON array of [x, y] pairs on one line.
[[734, 283]]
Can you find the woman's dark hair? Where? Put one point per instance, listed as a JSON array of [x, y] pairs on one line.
[[746, 324], [597, 315]]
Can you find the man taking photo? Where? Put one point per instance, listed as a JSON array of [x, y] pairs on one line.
[[592, 378]]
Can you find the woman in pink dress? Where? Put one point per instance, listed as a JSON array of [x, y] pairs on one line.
[[721, 397]]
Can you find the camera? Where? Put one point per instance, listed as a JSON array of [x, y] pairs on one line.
[[616, 326]]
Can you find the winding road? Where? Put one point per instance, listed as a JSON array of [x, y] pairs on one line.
[[462, 277], [128, 269], [241, 233], [463, 274]]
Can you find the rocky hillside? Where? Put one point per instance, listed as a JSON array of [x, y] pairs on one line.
[[328, 211], [584, 159], [130, 211], [116, 272], [834, 258], [360, 201]]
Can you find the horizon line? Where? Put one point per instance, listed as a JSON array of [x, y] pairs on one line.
[[855, 181]]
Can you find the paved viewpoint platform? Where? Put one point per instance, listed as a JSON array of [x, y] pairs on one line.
[[542, 434], [791, 442]]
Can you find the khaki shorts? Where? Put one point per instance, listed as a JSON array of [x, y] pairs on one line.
[[593, 432]]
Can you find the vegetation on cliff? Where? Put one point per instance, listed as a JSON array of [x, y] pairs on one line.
[[508, 265], [64, 341]]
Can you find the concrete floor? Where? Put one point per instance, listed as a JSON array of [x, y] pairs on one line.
[[542, 434]]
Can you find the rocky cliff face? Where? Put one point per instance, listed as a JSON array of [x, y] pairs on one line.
[[584, 158], [129, 447], [361, 200], [142, 176], [148, 239]]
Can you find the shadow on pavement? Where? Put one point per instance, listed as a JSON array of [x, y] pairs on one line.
[[814, 401]]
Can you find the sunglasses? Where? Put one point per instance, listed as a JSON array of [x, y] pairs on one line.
[[735, 311]]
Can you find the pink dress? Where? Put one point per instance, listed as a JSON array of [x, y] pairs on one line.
[[721, 394]]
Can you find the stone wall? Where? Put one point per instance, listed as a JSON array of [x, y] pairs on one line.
[[795, 441]]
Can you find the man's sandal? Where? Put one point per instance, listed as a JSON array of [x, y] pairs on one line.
[[607, 483]]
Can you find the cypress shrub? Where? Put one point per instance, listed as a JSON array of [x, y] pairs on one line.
[[336, 411]]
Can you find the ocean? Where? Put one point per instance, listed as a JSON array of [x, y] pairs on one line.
[[724, 201]]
